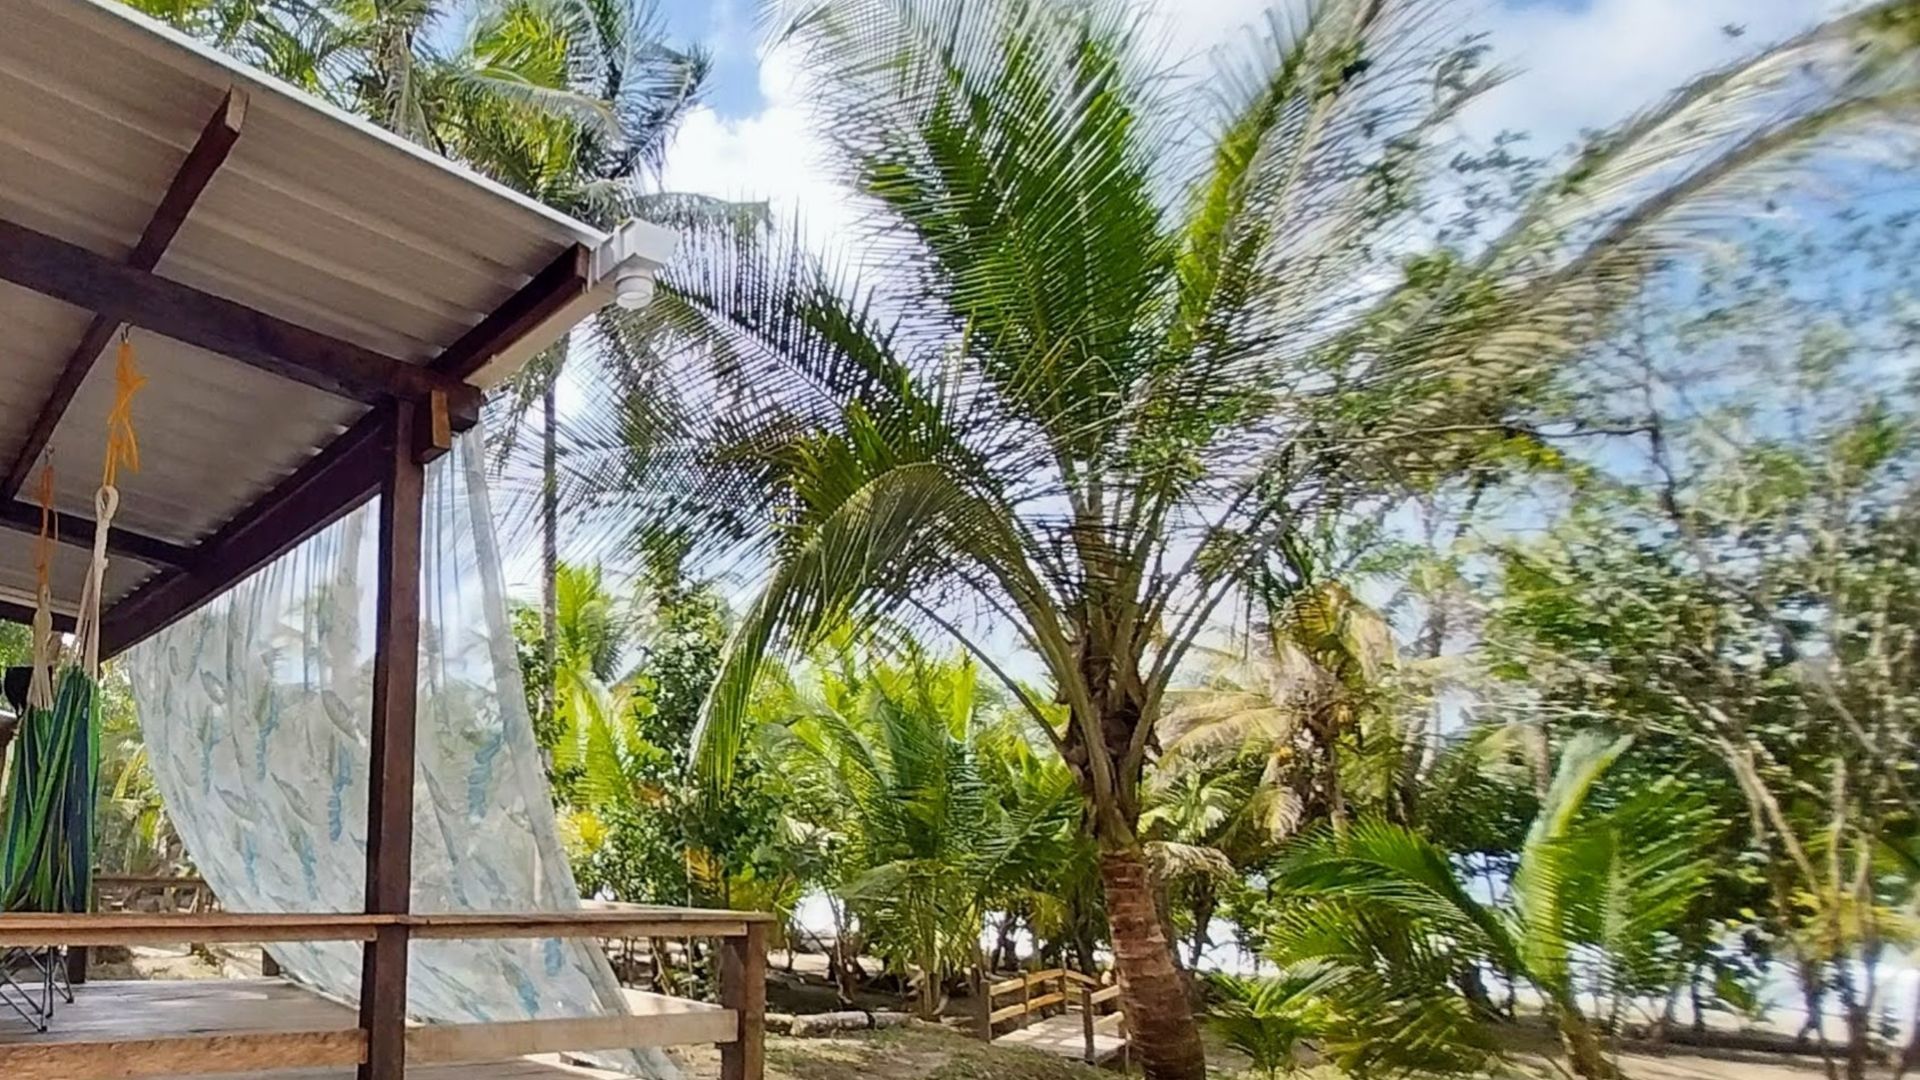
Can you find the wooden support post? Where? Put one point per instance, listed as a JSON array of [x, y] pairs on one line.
[[1086, 1022], [983, 998], [396, 670], [743, 988]]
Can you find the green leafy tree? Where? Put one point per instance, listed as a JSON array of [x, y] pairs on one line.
[[1734, 576], [1120, 334]]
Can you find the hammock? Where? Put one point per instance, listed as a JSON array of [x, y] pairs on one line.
[[50, 798], [48, 856]]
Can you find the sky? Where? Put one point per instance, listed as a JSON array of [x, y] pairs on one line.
[[1579, 64]]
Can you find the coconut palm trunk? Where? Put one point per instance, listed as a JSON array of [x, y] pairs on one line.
[[1153, 991], [1585, 1056]]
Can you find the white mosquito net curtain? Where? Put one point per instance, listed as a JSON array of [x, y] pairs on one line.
[[256, 711]]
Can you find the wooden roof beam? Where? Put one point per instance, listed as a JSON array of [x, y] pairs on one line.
[[196, 171], [115, 290], [78, 532], [23, 614], [339, 478]]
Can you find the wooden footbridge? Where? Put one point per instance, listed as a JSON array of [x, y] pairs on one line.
[[1059, 1012]]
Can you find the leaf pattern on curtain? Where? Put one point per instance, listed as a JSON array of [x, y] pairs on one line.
[[256, 711]]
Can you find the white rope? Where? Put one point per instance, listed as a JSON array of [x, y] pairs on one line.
[[46, 653], [86, 630]]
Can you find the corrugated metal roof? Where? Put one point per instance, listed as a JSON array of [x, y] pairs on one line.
[[316, 217]]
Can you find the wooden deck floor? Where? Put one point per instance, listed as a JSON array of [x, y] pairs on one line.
[[134, 1010], [1064, 1036]]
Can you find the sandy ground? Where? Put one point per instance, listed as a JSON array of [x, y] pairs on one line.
[[924, 1052]]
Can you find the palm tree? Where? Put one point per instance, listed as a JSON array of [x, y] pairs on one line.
[[1308, 695], [1266, 1019], [1203, 825], [1387, 925], [1121, 328], [890, 756], [572, 102]]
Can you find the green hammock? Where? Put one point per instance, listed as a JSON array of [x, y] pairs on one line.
[[50, 803]]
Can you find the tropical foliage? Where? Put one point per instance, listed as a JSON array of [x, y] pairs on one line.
[[1227, 512], [1395, 938], [1119, 338]]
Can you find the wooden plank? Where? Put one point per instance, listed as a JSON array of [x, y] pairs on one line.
[[78, 532], [1007, 1013], [1101, 997], [981, 1001], [1007, 986], [436, 1044], [338, 479], [49, 265], [566, 928], [161, 929], [204, 159], [434, 436], [743, 989], [225, 1052], [396, 676], [1021, 982], [133, 928], [564, 280], [1045, 1001], [578, 924], [23, 614], [671, 911], [1086, 1025], [1011, 1011]]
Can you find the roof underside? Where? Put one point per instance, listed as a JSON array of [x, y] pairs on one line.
[[312, 217]]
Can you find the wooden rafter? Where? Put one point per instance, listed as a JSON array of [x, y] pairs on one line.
[[78, 531], [209, 152], [334, 481], [23, 614], [87, 279], [563, 281]]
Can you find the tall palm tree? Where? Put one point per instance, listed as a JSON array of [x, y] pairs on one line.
[[1308, 696], [1116, 328], [574, 103]]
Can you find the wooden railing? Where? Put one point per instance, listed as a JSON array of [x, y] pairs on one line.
[[1041, 991], [737, 1026], [128, 892]]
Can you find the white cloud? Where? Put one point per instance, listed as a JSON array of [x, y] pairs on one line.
[[1592, 66], [1577, 67], [774, 155]]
